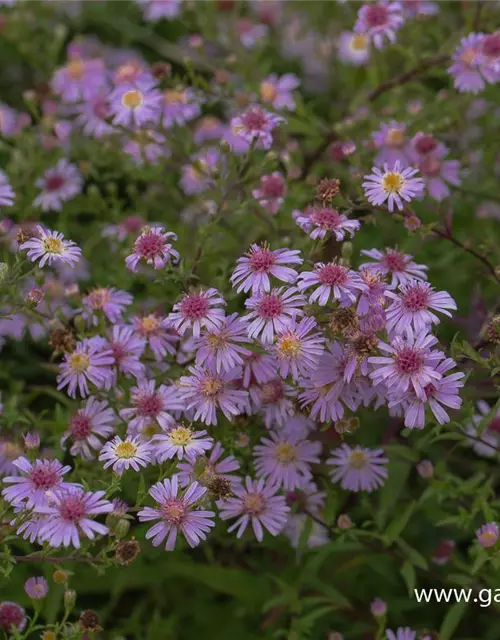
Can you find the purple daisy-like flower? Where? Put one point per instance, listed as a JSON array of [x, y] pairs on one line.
[[199, 176], [182, 442], [93, 115], [372, 299], [487, 535], [379, 20], [298, 348], [255, 126], [179, 106], [152, 405], [177, 513], [34, 481], [271, 192], [412, 307], [79, 79], [135, 104], [277, 91], [218, 350], [428, 155], [255, 503], [9, 452], [127, 348], [274, 400], [334, 280], [51, 247], [197, 310], [273, 311], [87, 363], [258, 368], [284, 459], [358, 468], [318, 221], [212, 467], [409, 364], [123, 454], [490, 57], [36, 588], [414, 8], [251, 33], [400, 266], [466, 64], [154, 248], [206, 391], [70, 514], [392, 185], [108, 300], [354, 48], [402, 633], [93, 421], [12, 617], [58, 185], [155, 330], [7, 194], [259, 263], [157, 9], [392, 143]]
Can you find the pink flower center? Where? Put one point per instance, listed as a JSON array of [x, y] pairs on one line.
[[494, 425], [133, 224], [81, 426], [72, 509], [254, 119], [425, 144], [149, 245], [491, 45], [150, 406], [211, 387], [98, 298], [273, 392], [394, 261], [416, 299], [332, 274], [261, 260], [44, 477], [174, 511], [272, 186], [409, 360], [430, 166], [244, 26], [326, 218], [101, 108], [194, 307], [53, 183], [376, 15], [254, 504], [270, 306], [11, 614], [118, 351]]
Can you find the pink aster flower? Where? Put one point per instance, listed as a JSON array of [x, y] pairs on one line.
[[437, 173], [34, 481], [412, 307], [127, 349], [272, 312], [400, 266], [177, 512], [298, 348], [197, 310], [151, 405], [154, 248], [51, 247], [93, 116], [93, 421], [71, 513], [87, 363], [110, 301], [123, 454], [318, 221], [79, 79], [255, 502], [334, 280], [490, 57], [58, 185], [205, 470], [157, 9], [392, 144], [274, 400], [409, 364], [260, 262], [36, 588], [258, 368], [179, 106], [12, 617], [7, 194], [466, 64], [358, 468], [402, 633], [392, 185], [271, 192], [487, 535], [136, 103], [277, 91], [218, 350], [354, 48], [372, 299], [285, 459], [182, 442], [255, 126], [379, 20], [206, 391], [155, 330]]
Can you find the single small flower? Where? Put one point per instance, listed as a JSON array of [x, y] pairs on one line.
[[259, 263], [36, 588], [200, 175], [379, 20], [354, 48], [255, 126], [123, 454], [298, 348], [219, 349], [466, 64], [152, 405], [31, 487], [93, 116], [182, 442], [392, 185], [127, 349], [93, 421], [255, 503], [7, 194], [392, 143], [487, 535], [277, 91], [399, 266], [378, 607], [177, 513], [111, 301], [51, 247], [31, 440], [271, 192], [155, 330], [79, 79], [197, 310], [87, 363], [136, 103], [258, 368], [274, 399], [153, 247], [154, 10], [335, 281], [58, 185], [358, 468], [179, 106], [272, 312], [318, 221]]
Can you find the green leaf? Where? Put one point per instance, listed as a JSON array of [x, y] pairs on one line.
[[452, 620], [398, 525], [399, 471], [413, 555], [409, 575]]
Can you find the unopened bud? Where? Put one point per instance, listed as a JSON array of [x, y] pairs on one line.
[[242, 440], [425, 469], [378, 607], [161, 70], [34, 297], [122, 528], [344, 521], [60, 577], [412, 222], [31, 440], [69, 599], [347, 249]]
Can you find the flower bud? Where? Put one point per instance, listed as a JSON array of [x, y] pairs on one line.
[[69, 599], [127, 551], [60, 577], [122, 528], [34, 297], [89, 621], [487, 535], [378, 607], [31, 440], [425, 469], [344, 521]]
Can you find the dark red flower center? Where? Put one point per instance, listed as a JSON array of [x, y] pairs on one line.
[[425, 144], [254, 119], [81, 426], [194, 307], [44, 477], [491, 45], [325, 217], [261, 259], [270, 306], [332, 274], [409, 360], [150, 406], [149, 245], [394, 261], [11, 614], [273, 391], [377, 15], [416, 299], [272, 187], [53, 183], [72, 509]]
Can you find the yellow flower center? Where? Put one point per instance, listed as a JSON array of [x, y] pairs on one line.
[[392, 182], [285, 453], [151, 430], [79, 361], [48, 635], [216, 341], [359, 42], [468, 56], [76, 69], [125, 450], [211, 387], [175, 96], [254, 504], [53, 245], [289, 346], [132, 99], [149, 324], [181, 436], [268, 92], [395, 137], [357, 459]]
